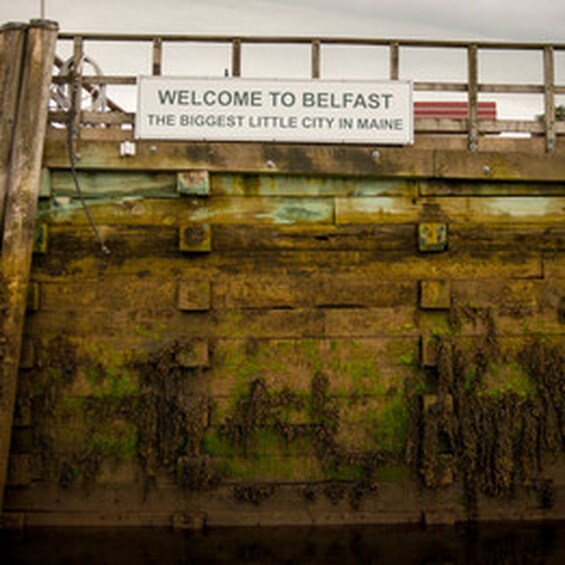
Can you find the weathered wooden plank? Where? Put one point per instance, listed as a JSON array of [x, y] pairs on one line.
[[229, 291], [511, 209], [511, 161], [312, 290], [546, 210], [287, 211], [342, 161], [131, 242], [376, 237], [20, 212], [12, 38], [376, 209], [530, 237], [499, 166], [155, 326], [501, 293], [370, 322], [381, 266], [137, 211], [126, 242], [437, 187], [104, 184], [285, 185], [111, 294]]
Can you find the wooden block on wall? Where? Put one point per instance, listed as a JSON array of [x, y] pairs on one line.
[[432, 237], [194, 295], [41, 237], [428, 351], [195, 354], [195, 238], [194, 183], [435, 294]]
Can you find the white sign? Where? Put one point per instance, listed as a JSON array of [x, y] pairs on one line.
[[314, 111]]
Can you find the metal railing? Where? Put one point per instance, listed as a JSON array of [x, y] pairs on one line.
[[546, 124]]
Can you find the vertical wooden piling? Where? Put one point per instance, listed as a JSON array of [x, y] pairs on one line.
[[24, 173], [12, 38]]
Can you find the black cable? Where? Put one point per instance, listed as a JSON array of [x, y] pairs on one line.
[[72, 161]]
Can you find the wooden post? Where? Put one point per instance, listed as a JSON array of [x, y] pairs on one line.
[[75, 95], [24, 176], [12, 38], [473, 96], [316, 70], [157, 56], [394, 70], [236, 58], [549, 98]]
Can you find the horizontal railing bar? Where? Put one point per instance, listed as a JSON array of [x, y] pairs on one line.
[[305, 40], [512, 88], [440, 86], [103, 79], [110, 118], [445, 125], [418, 86]]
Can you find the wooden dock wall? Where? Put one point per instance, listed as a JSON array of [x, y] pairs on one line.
[[267, 345]]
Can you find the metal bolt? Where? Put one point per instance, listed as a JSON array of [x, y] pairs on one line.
[[376, 155], [270, 164], [486, 170], [152, 149]]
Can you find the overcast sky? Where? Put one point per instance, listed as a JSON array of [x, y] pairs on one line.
[[527, 20], [511, 20]]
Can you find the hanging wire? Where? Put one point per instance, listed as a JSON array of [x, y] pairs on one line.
[[72, 161]]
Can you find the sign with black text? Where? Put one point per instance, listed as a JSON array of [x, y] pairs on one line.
[[314, 111]]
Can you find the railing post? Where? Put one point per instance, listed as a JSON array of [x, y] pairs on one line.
[[316, 58], [394, 67], [75, 98], [549, 98], [473, 97], [157, 56], [236, 58]]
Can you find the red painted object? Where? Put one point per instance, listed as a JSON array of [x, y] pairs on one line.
[[453, 110]]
